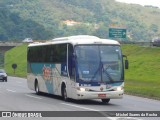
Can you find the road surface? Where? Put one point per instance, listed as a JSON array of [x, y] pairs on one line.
[[16, 96]]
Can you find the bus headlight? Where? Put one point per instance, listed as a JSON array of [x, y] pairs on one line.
[[82, 89], [119, 88]]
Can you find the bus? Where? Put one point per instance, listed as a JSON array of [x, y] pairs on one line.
[[77, 67]]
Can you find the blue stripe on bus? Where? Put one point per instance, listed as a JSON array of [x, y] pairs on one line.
[[99, 84]]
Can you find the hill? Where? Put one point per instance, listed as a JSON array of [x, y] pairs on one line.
[[13, 27], [95, 18], [142, 77]]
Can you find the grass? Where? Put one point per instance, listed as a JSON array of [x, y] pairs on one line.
[[142, 78], [17, 55]]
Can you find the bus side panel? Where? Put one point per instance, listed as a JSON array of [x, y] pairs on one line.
[[56, 76], [30, 77], [49, 77], [41, 83], [60, 76], [42, 72], [30, 81]]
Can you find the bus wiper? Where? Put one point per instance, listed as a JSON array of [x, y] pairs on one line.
[[108, 75], [99, 68]]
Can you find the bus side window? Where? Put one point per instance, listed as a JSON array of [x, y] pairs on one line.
[[51, 55]]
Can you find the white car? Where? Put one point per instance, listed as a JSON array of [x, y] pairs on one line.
[[3, 75], [28, 40]]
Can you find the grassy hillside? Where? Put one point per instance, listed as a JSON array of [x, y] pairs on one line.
[[142, 78], [17, 55]]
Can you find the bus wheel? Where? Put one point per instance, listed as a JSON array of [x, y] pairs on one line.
[[37, 88], [105, 100], [64, 94]]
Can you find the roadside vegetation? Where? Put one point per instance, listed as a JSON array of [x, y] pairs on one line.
[[142, 78], [17, 55], [45, 19]]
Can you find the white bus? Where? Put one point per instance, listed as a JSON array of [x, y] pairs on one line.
[[77, 67]]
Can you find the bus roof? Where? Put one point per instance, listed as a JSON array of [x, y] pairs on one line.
[[79, 39]]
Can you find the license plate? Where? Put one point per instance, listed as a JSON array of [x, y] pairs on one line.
[[101, 95]]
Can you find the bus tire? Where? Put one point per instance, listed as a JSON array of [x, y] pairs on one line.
[[37, 88], [64, 93], [105, 100]]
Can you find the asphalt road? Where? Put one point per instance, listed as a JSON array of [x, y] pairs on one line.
[[16, 96]]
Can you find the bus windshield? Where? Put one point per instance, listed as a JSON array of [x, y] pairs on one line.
[[99, 63]]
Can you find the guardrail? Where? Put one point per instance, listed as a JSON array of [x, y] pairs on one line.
[[147, 44]]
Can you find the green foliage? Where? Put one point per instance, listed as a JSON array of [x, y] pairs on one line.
[[142, 77], [42, 19], [17, 55], [12, 27]]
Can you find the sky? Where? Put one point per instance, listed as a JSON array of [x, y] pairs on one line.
[[143, 2]]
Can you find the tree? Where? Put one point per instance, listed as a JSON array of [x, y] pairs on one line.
[[154, 28]]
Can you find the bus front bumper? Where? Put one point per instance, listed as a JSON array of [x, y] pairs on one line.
[[100, 95]]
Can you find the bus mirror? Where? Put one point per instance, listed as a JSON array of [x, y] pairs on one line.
[[126, 62]]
